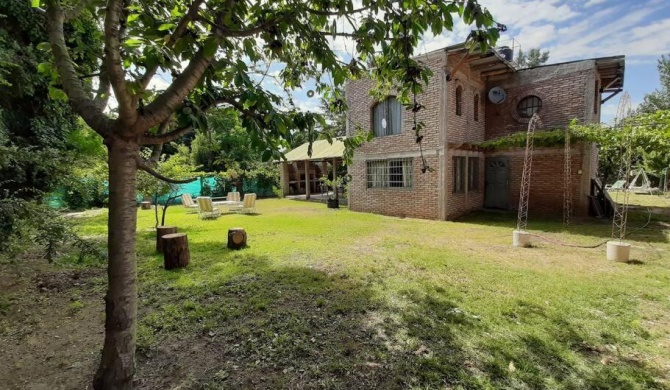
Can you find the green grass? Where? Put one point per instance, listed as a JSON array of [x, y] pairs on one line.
[[335, 299]]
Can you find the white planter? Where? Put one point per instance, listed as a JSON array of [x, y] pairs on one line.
[[521, 239], [618, 251]]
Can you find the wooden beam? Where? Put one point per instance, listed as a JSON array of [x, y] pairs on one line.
[[458, 65], [495, 72], [603, 101], [611, 83]]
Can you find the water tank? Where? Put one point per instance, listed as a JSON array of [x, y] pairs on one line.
[[506, 52]]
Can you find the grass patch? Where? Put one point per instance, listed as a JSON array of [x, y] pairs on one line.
[[336, 299]]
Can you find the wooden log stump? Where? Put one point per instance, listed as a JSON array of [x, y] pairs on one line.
[[175, 250], [146, 205], [160, 232], [237, 238]]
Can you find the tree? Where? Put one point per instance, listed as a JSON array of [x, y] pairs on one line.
[[336, 118], [660, 98], [207, 48], [534, 57]]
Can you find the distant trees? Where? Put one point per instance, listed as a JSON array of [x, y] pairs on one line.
[[660, 98], [534, 57]]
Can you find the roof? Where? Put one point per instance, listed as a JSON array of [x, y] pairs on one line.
[[321, 149]]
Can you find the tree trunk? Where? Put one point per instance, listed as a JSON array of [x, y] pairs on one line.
[[175, 250], [117, 365]]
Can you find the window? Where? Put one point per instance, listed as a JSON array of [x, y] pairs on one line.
[[473, 173], [476, 108], [529, 106], [596, 98], [390, 173], [459, 100], [387, 117], [459, 174]]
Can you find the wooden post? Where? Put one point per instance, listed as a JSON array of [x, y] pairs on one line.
[[160, 232], [307, 181], [335, 177], [237, 238], [175, 250], [146, 205]]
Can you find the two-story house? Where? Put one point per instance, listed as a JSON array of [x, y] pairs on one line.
[[473, 97]]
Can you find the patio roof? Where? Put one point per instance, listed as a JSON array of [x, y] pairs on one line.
[[321, 150]]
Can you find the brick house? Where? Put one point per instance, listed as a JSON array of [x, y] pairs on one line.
[[386, 175]]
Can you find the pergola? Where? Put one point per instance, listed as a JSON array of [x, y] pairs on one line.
[[301, 171]]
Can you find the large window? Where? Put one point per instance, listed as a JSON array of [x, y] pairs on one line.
[[395, 172], [459, 100], [529, 106], [473, 173], [387, 117], [459, 174]]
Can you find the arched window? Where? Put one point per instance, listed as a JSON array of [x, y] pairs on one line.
[[529, 106], [387, 117], [476, 108], [459, 100]]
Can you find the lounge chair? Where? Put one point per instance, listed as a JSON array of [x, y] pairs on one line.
[[618, 186], [188, 202], [206, 209], [233, 199], [247, 206]]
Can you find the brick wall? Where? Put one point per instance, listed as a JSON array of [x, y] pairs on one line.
[[422, 200], [463, 128], [566, 91], [546, 184]]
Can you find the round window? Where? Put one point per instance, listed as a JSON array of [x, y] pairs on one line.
[[528, 106]]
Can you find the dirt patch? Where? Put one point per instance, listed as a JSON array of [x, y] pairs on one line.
[[51, 326]]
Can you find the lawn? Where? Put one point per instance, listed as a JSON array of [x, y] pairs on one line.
[[341, 300]]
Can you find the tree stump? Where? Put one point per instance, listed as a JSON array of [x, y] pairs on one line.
[[146, 205], [237, 238], [160, 232], [175, 250]]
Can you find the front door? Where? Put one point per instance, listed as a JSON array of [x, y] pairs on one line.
[[497, 182]]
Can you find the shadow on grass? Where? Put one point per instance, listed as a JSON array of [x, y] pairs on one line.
[[231, 320], [642, 226]]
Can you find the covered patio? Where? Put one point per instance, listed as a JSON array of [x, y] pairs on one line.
[[300, 174]]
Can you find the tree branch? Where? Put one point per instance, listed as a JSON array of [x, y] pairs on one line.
[[72, 85], [157, 139], [228, 32], [167, 102], [113, 61], [146, 168], [178, 32], [102, 95]]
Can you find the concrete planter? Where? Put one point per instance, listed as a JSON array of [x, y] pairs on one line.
[[618, 251], [521, 239]]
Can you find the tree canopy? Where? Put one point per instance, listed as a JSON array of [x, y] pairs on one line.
[[534, 57], [660, 98]]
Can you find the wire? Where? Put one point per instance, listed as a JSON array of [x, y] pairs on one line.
[[595, 245]]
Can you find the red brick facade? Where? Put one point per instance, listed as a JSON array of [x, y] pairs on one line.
[[567, 92]]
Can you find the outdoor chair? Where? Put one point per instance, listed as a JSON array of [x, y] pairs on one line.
[[247, 206], [188, 202], [233, 196], [206, 209], [618, 186]]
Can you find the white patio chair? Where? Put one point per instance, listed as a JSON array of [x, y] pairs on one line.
[[206, 209], [248, 204]]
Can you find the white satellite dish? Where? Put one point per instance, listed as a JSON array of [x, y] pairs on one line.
[[497, 95], [383, 123]]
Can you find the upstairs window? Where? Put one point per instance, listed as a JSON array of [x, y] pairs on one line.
[[387, 117], [596, 98], [476, 108], [529, 106], [459, 100]]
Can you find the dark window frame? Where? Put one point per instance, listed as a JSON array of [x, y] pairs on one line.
[[391, 128], [458, 170], [530, 104], [476, 108], [459, 100], [392, 173]]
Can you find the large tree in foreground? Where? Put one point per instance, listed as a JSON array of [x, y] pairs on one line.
[[209, 51]]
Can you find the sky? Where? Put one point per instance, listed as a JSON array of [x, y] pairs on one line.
[[571, 30]]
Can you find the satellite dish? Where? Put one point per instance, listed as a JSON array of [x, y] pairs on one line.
[[497, 95], [383, 123]]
